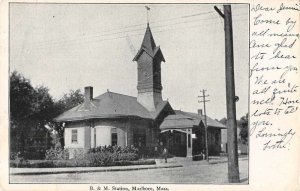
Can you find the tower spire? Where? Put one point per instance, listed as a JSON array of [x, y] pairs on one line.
[[149, 58], [148, 9]]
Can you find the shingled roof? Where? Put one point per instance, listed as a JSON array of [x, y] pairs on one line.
[[210, 122], [182, 120], [110, 105], [149, 46]]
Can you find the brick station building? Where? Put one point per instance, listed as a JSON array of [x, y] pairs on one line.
[[146, 121]]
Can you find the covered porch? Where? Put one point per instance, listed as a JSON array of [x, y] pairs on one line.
[[183, 135]]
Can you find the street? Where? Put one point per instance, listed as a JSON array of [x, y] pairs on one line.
[[191, 172]]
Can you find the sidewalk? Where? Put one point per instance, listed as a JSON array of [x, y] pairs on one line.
[[38, 171], [160, 163], [187, 161]]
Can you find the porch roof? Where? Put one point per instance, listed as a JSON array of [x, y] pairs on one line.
[[183, 120], [178, 121]]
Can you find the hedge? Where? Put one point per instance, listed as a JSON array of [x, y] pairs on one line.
[[72, 163], [99, 156]]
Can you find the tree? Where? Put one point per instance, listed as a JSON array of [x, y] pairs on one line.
[[223, 121], [68, 101], [21, 96], [243, 124], [30, 109]]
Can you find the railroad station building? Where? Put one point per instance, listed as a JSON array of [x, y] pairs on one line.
[[146, 121]]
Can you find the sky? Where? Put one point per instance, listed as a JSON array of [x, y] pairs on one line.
[[70, 46]]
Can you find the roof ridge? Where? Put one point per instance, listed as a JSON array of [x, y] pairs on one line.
[[115, 93]]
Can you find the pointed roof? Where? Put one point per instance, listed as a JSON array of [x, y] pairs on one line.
[[148, 41], [149, 46]]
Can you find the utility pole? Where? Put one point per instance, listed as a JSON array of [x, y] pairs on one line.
[[233, 164], [205, 122]]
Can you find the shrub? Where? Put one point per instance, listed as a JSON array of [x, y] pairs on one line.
[[104, 156], [14, 155], [79, 154], [72, 163], [100, 156], [114, 149], [56, 154], [20, 162]]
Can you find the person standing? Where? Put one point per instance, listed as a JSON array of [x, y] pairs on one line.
[[165, 154]]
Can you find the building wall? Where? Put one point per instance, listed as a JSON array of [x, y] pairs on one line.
[[224, 140], [103, 135], [104, 131], [125, 130], [82, 135], [137, 132], [121, 137], [214, 141], [87, 137], [149, 99], [149, 85], [140, 128]]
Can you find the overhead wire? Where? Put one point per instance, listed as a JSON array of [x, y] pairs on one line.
[[65, 42], [138, 34], [135, 25], [68, 42]]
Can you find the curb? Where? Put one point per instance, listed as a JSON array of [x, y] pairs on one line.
[[217, 162], [225, 161], [96, 170]]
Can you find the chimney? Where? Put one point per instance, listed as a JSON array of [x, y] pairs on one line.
[[88, 93], [200, 112]]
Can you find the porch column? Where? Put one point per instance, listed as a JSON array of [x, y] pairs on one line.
[[129, 133], [93, 141], [189, 146], [126, 138], [191, 140]]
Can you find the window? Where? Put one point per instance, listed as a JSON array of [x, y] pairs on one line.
[[189, 141], [74, 136], [114, 137]]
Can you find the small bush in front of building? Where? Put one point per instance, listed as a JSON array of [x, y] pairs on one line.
[[79, 153], [114, 149], [99, 159], [107, 155], [71, 163], [56, 154], [20, 162]]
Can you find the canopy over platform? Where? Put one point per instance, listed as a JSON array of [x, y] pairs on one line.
[[183, 133], [184, 120], [178, 122]]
